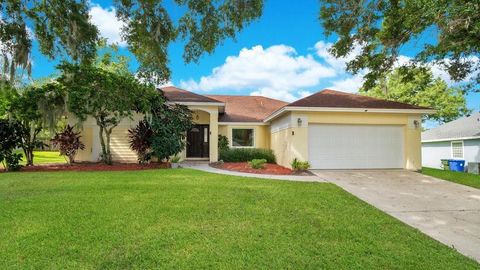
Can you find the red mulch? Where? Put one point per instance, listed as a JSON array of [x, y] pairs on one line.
[[94, 167], [243, 167]]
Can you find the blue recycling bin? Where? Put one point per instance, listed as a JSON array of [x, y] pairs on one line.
[[456, 165]]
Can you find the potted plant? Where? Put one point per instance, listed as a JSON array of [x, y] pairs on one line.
[[174, 161]]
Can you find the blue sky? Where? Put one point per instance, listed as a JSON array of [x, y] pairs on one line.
[[282, 55]]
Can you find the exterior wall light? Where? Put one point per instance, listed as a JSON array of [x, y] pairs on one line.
[[416, 123], [299, 121]]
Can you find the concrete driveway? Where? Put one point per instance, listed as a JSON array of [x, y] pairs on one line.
[[443, 210]]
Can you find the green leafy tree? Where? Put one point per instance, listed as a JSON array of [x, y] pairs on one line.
[[63, 26], [35, 108], [10, 139], [422, 90], [107, 92], [6, 93], [60, 27], [170, 123], [382, 27]]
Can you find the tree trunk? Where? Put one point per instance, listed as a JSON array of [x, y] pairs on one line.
[[71, 159], [107, 135], [29, 140], [28, 149], [102, 143], [28, 155]]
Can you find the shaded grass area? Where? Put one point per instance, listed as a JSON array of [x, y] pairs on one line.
[[42, 157], [190, 219], [45, 157], [467, 179]]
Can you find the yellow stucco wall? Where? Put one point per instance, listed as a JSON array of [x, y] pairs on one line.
[[289, 139], [89, 132], [91, 138], [200, 117], [261, 134], [87, 139], [288, 144]]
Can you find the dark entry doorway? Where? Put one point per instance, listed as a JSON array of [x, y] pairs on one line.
[[198, 141]]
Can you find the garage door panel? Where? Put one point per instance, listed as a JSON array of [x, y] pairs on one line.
[[355, 146]]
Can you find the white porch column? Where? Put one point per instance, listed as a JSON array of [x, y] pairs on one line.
[[213, 136]]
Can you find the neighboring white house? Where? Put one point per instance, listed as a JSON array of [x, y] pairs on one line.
[[459, 139]]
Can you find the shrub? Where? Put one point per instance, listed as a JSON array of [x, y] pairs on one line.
[[12, 161], [68, 142], [223, 143], [257, 163], [175, 159], [298, 165], [139, 139], [10, 139], [170, 123], [246, 154]]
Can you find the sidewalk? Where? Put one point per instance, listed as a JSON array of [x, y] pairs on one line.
[[203, 166]]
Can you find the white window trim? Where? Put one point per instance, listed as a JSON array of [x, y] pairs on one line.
[[254, 137], [451, 149]]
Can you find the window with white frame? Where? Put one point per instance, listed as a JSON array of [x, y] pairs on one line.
[[242, 137], [457, 150]]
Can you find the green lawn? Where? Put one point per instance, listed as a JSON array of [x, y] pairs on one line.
[[189, 219], [43, 157], [467, 179]]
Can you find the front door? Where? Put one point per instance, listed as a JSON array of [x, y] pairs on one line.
[[198, 142]]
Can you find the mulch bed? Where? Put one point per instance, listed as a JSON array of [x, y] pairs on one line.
[[243, 167], [94, 167]]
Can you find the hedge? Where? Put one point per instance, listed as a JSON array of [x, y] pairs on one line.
[[246, 154]]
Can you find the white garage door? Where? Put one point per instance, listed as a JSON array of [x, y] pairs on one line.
[[355, 146]]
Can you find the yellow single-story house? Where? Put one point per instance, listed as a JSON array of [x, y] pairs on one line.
[[329, 129]]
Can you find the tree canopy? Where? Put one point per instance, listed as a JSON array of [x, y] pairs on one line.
[[107, 92], [381, 27], [422, 90], [169, 123], [33, 108], [63, 27]]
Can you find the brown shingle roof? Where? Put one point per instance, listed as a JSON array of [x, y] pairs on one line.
[[175, 94], [247, 108], [336, 99]]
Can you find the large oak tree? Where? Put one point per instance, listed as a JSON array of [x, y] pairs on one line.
[[382, 27], [62, 27]]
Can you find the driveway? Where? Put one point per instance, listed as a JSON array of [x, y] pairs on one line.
[[443, 210]]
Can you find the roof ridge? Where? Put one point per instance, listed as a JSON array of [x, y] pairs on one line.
[[355, 95], [253, 96], [174, 88]]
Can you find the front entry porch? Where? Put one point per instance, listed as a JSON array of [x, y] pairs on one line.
[[202, 138]]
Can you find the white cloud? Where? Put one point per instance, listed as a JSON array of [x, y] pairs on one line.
[[351, 84], [108, 24], [280, 72], [322, 49], [277, 71], [347, 82]]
